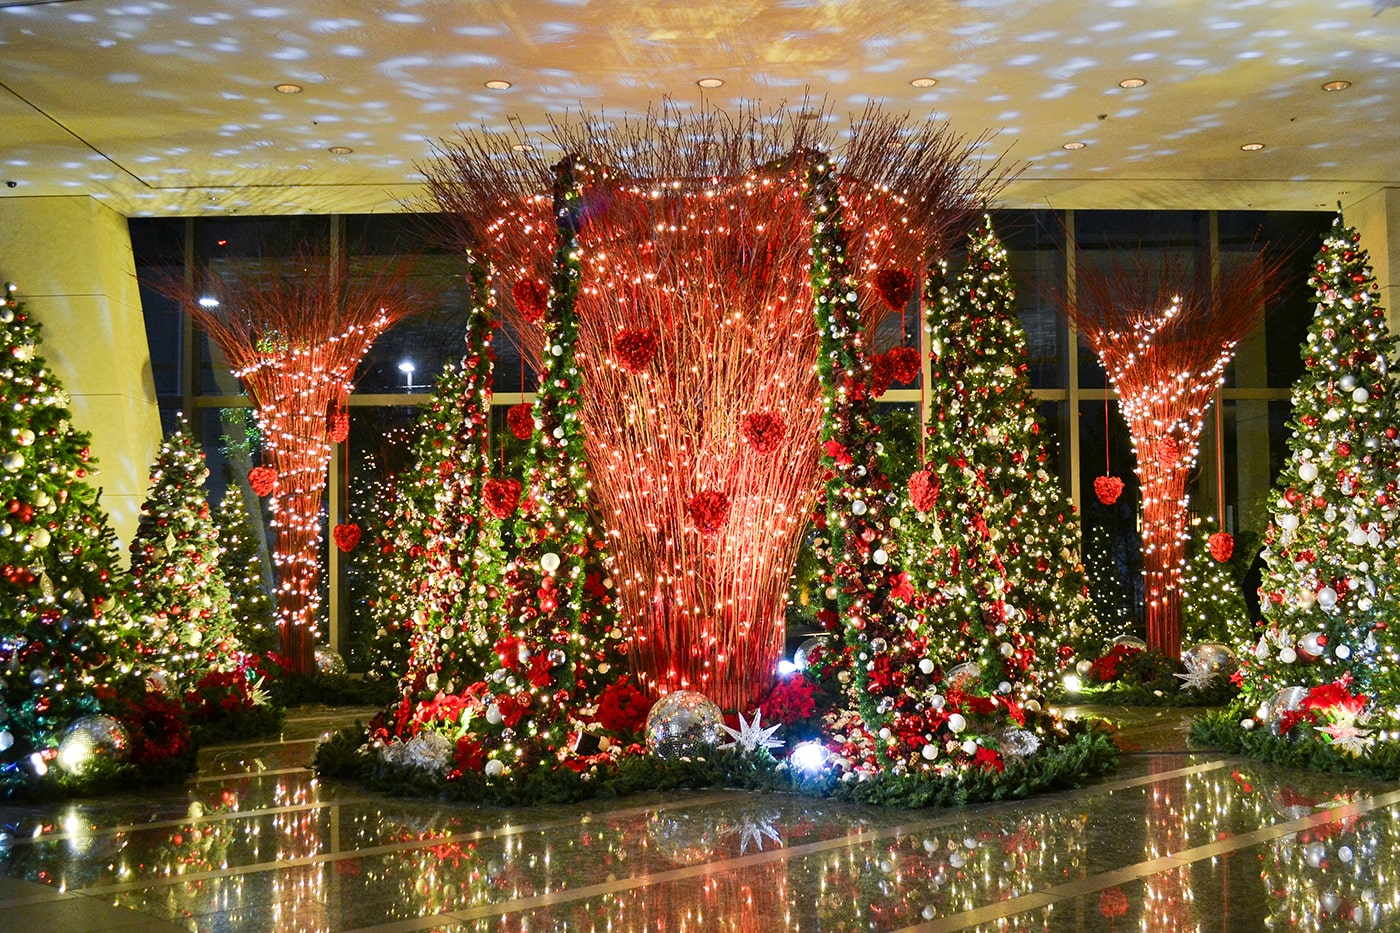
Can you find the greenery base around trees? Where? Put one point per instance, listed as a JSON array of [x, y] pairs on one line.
[[1220, 730]]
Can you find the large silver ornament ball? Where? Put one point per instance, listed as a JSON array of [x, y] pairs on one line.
[[965, 677], [329, 661], [683, 724], [1211, 656], [802, 657], [89, 739], [1284, 700], [1129, 641]]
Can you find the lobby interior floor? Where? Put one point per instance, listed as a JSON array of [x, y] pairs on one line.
[[1173, 841]]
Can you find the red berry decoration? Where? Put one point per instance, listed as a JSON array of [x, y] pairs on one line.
[[521, 420], [532, 298], [923, 490], [634, 349], [339, 428], [905, 363], [763, 430], [895, 287], [1108, 489], [881, 374], [501, 496], [1222, 545], [262, 480], [346, 536], [708, 509]]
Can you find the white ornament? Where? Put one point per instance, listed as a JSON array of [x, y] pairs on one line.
[[858, 507], [926, 666], [493, 715], [970, 747], [1360, 396], [930, 752], [956, 722], [549, 561], [1287, 655], [1343, 652], [557, 350], [880, 557], [751, 735], [1347, 382], [1327, 597], [494, 768], [40, 538], [25, 437], [14, 461], [1307, 472], [1288, 521]]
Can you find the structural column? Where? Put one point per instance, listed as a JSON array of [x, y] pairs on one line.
[[1377, 218]]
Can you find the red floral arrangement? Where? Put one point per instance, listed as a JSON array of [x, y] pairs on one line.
[[635, 348], [1168, 451], [263, 480], [219, 692], [339, 428], [923, 490], [622, 708], [1108, 489], [708, 509], [532, 298], [501, 496], [346, 536], [1222, 546], [989, 759], [1113, 665], [895, 287], [881, 374], [791, 701], [470, 754], [1334, 696], [763, 430], [157, 728], [521, 420], [904, 363]]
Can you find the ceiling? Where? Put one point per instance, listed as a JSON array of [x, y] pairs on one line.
[[161, 107]]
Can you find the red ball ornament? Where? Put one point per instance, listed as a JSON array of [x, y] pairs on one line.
[[1108, 489], [905, 363], [262, 480], [339, 428], [1343, 449], [708, 509], [923, 490], [502, 496], [532, 298], [895, 287], [1222, 545], [633, 349], [521, 420], [881, 374], [346, 536], [763, 430]]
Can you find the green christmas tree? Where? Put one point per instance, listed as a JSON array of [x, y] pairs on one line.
[[1112, 614], [1329, 594], [62, 651], [241, 562], [1212, 604]]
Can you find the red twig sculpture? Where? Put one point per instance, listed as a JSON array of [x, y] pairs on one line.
[[701, 402], [1165, 337]]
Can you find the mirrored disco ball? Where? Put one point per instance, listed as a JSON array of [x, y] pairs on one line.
[[1284, 700], [965, 677], [684, 723], [1129, 641], [685, 837], [1211, 656], [88, 739], [329, 661], [802, 657]]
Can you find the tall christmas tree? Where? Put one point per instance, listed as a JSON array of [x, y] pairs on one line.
[[241, 562], [1113, 613], [61, 644], [1212, 604], [176, 591], [1330, 592]]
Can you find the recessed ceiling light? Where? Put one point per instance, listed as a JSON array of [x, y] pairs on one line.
[[496, 84], [711, 82], [523, 147], [923, 82], [1336, 85], [1252, 147], [287, 88], [1131, 83], [1074, 146], [340, 150]]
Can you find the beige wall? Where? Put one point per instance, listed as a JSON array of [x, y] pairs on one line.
[[71, 260], [1377, 219]]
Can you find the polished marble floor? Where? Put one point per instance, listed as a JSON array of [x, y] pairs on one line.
[[1174, 841]]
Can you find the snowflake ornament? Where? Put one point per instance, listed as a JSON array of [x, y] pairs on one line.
[[758, 829], [751, 736], [1199, 672]]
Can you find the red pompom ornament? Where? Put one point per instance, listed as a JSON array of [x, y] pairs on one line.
[[262, 480], [1108, 489], [905, 363], [501, 496], [521, 420], [1222, 545], [346, 536], [633, 349], [881, 374], [763, 430], [1113, 902], [532, 298], [1168, 452], [339, 428], [923, 490], [895, 287], [708, 509]]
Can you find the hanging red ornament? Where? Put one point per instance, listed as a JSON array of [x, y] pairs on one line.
[[1108, 489], [501, 496], [1222, 545], [905, 363], [262, 480], [895, 287], [1168, 451], [521, 420], [881, 374], [346, 536], [634, 348], [1113, 902], [763, 430], [339, 428], [532, 298], [708, 509], [923, 490]]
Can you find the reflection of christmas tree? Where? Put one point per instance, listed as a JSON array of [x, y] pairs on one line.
[[242, 565], [1212, 604], [59, 641]]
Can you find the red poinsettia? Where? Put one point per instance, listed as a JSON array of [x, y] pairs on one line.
[[339, 428], [1326, 697], [895, 287], [521, 420], [923, 490], [501, 496], [989, 759], [622, 708], [791, 701], [1113, 665], [346, 536], [634, 349], [531, 297], [763, 430], [1222, 545], [904, 363], [708, 509], [881, 374], [262, 480], [1108, 489]]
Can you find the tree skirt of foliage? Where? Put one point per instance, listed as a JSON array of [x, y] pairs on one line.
[[1129, 676], [1300, 747]]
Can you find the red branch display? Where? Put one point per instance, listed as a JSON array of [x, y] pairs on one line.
[[695, 311], [1165, 337], [293, 331]]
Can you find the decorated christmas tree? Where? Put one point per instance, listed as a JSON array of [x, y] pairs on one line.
[[242, 564], [1113, 614], [61, 642], [1212, 604], [176, 591], [1327, 661]]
